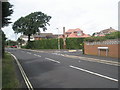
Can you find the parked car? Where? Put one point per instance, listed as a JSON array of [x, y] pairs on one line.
[[13, 46]]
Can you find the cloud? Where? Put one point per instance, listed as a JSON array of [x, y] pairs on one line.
[[88, 15]]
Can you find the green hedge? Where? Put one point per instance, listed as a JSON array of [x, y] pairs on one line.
[[113, 35], [71, 43], [74, 43]]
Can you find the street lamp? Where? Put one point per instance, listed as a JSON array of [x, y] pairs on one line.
[[58, 40]]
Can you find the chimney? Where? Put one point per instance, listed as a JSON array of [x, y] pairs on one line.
[[63, 30], [111, 28]]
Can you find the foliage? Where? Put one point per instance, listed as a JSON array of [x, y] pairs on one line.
[[11, 43], [20, 41], [9, 77], [113, 35], [31, 23], [6, 11], [2, 42], [71, 43], [74, 43]]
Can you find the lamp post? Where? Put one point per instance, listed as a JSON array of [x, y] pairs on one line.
[[58, 40]]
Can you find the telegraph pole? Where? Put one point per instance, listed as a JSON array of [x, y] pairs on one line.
[[58, 40], [64, 38]]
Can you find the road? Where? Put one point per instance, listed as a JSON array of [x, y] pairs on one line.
[[54, 70]]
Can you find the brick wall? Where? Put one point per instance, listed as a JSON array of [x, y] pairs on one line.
[[91, 48]]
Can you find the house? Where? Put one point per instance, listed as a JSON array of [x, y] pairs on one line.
[[25, 38], [74, 33], [41, 36], [104, 32]]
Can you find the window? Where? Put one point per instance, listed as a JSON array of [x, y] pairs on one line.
[[79, 33]]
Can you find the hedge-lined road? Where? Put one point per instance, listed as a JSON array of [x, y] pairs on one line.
[[50, 70]]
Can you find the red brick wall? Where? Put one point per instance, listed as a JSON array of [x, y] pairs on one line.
[[93, 50]]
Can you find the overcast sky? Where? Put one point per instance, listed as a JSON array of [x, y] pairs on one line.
[[88, 15]]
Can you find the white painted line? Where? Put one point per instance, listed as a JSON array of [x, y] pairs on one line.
[[37, 55], [27, 82], [62, 55], [79, 61], [52, 60], [28, 52], [97, 74]]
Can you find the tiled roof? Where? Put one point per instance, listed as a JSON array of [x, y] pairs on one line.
[[74, 35], [72, 30], [109, 30]]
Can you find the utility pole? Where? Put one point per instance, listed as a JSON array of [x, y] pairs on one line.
[[58, 40], [64, 38]]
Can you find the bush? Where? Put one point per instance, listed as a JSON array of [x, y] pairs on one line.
[[74, 43], [113, 35], [71, 43]]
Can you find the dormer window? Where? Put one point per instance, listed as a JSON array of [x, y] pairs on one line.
[[79, 33]]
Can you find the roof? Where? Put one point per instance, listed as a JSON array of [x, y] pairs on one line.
[[25, 36], [74, 35], [43, 35], [109, 30], [72, 30]]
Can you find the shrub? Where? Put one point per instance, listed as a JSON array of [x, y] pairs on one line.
[[113, 35], [71, 43]]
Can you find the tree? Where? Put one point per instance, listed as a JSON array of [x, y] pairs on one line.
[[31, 24], [20, 41], [2, 41], [93, 34], [11, 43], [6, 11]]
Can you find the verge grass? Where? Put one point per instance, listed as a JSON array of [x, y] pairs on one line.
[[9, 76]]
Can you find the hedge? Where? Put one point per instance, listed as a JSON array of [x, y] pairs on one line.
[[71, 43], [113, 35], [74, 43]]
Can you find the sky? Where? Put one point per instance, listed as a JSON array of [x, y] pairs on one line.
[[88, 15]]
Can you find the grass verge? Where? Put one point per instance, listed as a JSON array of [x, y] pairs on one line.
[[9, 77]]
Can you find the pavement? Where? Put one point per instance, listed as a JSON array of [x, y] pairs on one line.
[[66, 69]]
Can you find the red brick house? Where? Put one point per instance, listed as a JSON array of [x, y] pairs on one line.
[[75, 33]]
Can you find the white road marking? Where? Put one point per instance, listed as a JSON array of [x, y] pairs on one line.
[[58, 54], [37, 55], [52, 60], [27, 82], [97, 74], [28, 52], [79, 61]]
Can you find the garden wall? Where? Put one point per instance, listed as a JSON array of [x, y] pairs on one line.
[[91, 48]]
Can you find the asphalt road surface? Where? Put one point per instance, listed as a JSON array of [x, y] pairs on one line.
[[52, 70]]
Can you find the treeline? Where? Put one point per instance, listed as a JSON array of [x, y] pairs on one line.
[[71, 43]]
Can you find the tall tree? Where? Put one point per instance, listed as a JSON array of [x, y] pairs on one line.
[[31, 24], [6, 11], [20, 41]]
